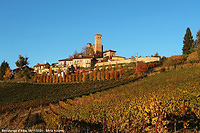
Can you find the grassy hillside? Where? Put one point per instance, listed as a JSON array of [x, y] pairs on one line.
[[165, 102]]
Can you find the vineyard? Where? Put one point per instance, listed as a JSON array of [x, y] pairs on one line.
[[25, 95], [167, 102]]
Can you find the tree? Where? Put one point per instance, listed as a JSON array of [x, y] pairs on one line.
[[83, 78], [59, 71], [97, 68], [57, 80], [112, 74], [3, 67], [54, 78], [102, 75], [35, 78], [47, 79], [22, 61], [8, 73], [198, 52], [141, 68], [88, 51], [107, 75], [72, 69], [116, 66], [64, 78], [188, 42], [94, 75], [116, 74], [109, 66], [196, 43], [91, 76], [98, 76], [60, 78], [103, 68], [50, 71]]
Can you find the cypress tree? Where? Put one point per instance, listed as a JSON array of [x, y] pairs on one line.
[[112, 74], [107, 74], [102, 75], [47, 79], [98, 76], [91, 76], [83, 78], [57, 78], [54, 78], [94, 75], [64, 78], [188, 42]]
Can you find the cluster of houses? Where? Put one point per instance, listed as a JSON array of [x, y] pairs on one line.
[[86, 61]]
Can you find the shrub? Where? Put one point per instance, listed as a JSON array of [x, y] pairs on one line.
[[174, 60], [193, 57], [162, 69], [141, 68]]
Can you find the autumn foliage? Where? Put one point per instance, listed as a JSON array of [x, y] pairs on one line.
[[141, 68]]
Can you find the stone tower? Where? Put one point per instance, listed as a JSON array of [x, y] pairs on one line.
[[98, 47]]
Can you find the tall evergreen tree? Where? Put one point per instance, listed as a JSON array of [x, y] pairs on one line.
[[197, 41], [3, 67], [188, 42]]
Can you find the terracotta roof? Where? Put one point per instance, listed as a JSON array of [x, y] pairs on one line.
[[67, 59], [98, 35], [83, 57], [109, 51], [40, 64], [118, 56]]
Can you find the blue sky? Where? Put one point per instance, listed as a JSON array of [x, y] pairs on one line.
[[49, 30]]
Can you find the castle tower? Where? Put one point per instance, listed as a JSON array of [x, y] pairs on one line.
[[98, 47]]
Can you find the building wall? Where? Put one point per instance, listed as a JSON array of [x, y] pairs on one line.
[[82, 62], [109, 53], [118, 58], [148, 59], [114, 62]]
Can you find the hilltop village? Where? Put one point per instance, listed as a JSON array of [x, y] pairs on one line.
[[94, 56]]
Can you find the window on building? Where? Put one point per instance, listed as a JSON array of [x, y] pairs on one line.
[[70, 62], [66, 63], [84, 61]]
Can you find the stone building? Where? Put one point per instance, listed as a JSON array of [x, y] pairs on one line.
[[97, 47]]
